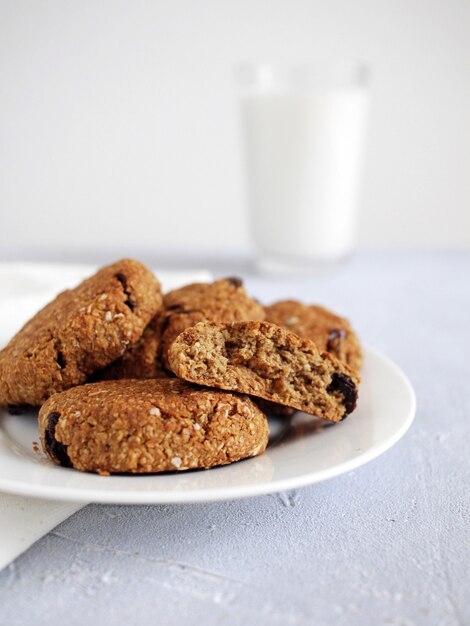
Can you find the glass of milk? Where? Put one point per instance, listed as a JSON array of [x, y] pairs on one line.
[[304, 131]]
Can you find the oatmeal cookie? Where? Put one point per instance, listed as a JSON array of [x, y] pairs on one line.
[[224, 300], [146, 426], [266, 361], [82, 330], [142, 360], [329, 331]]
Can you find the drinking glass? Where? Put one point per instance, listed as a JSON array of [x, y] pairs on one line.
[[304, 131]]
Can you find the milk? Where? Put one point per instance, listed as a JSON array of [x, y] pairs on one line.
[[304, 157]]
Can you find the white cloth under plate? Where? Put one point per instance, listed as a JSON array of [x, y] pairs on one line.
[[24, 289]]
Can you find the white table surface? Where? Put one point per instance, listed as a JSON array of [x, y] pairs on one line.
[[386, 544]]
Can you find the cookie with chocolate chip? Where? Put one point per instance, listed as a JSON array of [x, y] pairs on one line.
[[266, 361], [146, 426], [80, 331], [329, 331]]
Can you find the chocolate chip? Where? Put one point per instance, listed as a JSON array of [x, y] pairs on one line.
[[334, 338], [60, 359], [56, 449], [122, 279], [19, 409], [345, 386], [235, 281], [130, 302]]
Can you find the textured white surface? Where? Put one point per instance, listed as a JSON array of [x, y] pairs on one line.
[[385, 544]]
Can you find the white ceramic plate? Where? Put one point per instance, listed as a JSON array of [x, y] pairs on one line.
[[300, 453]]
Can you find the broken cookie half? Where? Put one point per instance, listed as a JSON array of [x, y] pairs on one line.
[[266, 361]]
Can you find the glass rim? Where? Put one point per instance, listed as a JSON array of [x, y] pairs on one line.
[[304, 76]]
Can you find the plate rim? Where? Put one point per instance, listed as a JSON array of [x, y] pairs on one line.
[[103, 496]]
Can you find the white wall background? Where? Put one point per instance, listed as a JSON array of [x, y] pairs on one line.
[[118, 122]]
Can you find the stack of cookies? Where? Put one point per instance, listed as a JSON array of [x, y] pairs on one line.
[[130, 380]]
